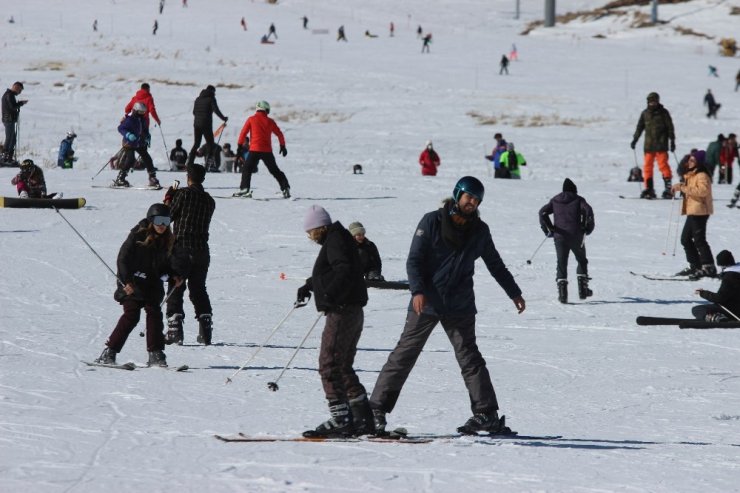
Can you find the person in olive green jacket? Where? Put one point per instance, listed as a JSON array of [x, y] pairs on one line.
[[712, 156], [656, 121]]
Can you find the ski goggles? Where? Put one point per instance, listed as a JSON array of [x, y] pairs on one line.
[[161, 220]]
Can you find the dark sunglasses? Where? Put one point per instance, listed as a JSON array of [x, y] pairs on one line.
[[161, 220]]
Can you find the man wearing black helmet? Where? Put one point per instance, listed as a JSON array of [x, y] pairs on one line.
[[440, 270], [192, 209]]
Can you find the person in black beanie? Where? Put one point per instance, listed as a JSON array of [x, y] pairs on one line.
[[724, 305], [574, 219], [191, 211]]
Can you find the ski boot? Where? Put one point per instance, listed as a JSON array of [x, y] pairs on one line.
[[205, 329], [120, 181], [688, 271], [244, 193], [563, 290], [583, 290], [649, 192], [157, 358], [733, 200], [286, 192], [379, 422], [107, 357], [153, 182], [175, 334], [706, 270], [667, 194], [338, 426], [362, 416], [490, 423]]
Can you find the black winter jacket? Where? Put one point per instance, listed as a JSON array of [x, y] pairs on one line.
[[204, 107], [11, 107], [728, 294], [337, 279], [444, 273], [573, 217], [369, 257], [143, 266], [191, 211]]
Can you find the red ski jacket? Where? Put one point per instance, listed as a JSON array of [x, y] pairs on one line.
[[143, 96], [260, 128], [429, 161]]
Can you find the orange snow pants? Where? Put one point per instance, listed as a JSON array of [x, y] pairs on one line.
[[650, 158]]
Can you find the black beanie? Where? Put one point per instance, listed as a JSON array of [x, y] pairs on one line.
[[725, 259], [569, 186]]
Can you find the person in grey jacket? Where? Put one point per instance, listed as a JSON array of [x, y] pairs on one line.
[[440, 269], [574, 218]]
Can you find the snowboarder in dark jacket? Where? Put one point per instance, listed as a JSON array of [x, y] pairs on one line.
[[136, 138], [725, 303], [142, 261], [340, 292], [574, 219], [440, 269], [372, 266], [203, 109]]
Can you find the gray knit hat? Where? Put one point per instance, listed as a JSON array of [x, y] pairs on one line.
[[356, 228]]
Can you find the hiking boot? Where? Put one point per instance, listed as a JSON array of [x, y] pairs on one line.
[[175, 334], [379, 421], [485, 422], [583, 290], [562, 290], [362, 416], [107, 357], [688, 271], [120, 180], [338, 426], [205, 329], [244, 193], [153, 182], [286, 192], [157, 358]]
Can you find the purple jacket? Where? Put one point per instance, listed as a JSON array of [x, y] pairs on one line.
[[573, 217], [137, 125]]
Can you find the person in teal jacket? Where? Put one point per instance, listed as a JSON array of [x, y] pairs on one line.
[[511, 163]]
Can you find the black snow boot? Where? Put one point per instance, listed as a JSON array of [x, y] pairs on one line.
[[486, 422], [120, 180], [107, 357], [338, 426], [379, 421], [688, 271], [583, 290], [157, 358], [175, 334], [153, 181], [649, 192], [362, 416], [667, 194], [563, 290], [735, 197], [205, 329]]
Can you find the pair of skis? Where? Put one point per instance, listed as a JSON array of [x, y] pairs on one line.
[[400, 438], [130, 366]]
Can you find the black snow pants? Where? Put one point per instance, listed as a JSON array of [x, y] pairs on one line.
[[694, 241], [337, 354], [563, 247], [253, 158], [194, 266]]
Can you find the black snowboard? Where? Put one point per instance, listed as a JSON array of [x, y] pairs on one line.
[[19, 203]]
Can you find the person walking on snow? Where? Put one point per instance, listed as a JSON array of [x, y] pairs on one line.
[[725, 303], [340, 292], [711, 104], [136, 138], [697, 205], [144, 95], [427, 40], [144, 258], [504, 65], [574, 219], [429, 160], [340, 34], [203, 109], [260, 127], [192, 210], [440, 269], [656, 121]]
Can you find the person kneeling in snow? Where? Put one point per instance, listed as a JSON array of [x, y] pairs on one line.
[[725, 303], [143, 260], [30, 181]]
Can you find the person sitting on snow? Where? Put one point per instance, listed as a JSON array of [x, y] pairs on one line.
[[30, 181], [725, 303], [66, 156]]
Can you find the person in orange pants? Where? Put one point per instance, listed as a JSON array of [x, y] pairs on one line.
[[656, 121]]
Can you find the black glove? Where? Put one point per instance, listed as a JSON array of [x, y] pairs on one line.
[[304, 294], [673, 146], [633, 144], [283, 151], [226, 119]]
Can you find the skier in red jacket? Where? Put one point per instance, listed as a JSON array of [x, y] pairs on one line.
[[260, 128], [144, 95], [429, 160]]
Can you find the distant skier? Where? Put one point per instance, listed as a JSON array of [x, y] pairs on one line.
[[429, 160], [203, 109], [142, 261], [419, 32], [426, 41], [392, 29], [503, 65], [11, 109], [272, 32], [243, 23], [161, 6], [713, 71], [368, 34], [727, 155], [498, 149], [574, 219], [340, 34], [155, 28], [95, 25], [305, 22], [372, 266], [510, 163], [724, 305], [66, 156], [656, 121], [513, 54], [30, 182], [711, 104], [260, 127]]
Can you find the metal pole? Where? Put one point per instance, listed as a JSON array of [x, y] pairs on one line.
[[549, 13], [273, 385], [654, 12], [516, 11]]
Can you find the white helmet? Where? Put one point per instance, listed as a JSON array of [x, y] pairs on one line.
[[263, 106], [429, 143], [140, 108]]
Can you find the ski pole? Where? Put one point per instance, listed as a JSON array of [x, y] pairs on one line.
[[537, 250], [106, 164], [670, 223], [728, 311], [273, 385], [169, 163], [90, 247], [297, 304]]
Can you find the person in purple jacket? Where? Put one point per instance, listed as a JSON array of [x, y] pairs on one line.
[[574, 219], [136, 138]]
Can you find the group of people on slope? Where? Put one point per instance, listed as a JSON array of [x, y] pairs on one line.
[[506, 160]]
